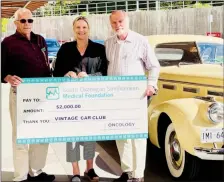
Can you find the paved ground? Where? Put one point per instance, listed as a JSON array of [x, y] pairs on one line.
[[156, 168]]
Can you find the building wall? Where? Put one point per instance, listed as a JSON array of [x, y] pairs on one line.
[[180, 21]]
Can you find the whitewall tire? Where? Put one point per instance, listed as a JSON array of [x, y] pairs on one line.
[[180, 164]]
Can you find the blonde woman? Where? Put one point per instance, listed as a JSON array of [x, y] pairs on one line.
[[81, 58]]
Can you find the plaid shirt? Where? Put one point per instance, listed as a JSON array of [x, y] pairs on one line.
[[132, 56]]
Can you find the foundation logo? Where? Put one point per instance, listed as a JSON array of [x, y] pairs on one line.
[[52, 93]]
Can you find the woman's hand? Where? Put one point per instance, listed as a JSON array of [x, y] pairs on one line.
[[82, 74], [71, 74]]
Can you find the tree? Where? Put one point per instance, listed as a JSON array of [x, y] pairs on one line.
[[201, 5], [174, 5], [57, 8], [4, 24]]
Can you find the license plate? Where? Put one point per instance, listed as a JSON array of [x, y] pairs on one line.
[[210, 135]]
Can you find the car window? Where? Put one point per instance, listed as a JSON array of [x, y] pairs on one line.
[[211, 52], [52, 43], [175, 53], [170, 54]]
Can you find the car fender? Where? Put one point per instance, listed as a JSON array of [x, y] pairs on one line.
[[182, 113]]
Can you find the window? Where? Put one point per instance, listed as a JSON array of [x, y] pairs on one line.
[[170, 54], [211, 52], [174, 53]]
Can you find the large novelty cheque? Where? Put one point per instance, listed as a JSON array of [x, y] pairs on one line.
[[87, 109]]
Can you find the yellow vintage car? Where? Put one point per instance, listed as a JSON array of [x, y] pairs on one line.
[[186, 115]]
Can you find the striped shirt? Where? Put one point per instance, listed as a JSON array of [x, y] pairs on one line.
[[133, 56]]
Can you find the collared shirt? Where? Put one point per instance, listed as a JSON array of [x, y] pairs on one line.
[[24, 58], [93, 61], [133, 56]]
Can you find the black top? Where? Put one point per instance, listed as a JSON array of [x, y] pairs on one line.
[[93, 62], [24, 58]]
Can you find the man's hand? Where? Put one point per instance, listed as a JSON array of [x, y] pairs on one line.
[[82, 74], [150, 91], [71, 74], [13, 80]]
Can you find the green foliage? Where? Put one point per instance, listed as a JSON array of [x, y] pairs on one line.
[[4, 24], [84, 14], [201, 5], [57, 8], [65, 2], [174, 5]]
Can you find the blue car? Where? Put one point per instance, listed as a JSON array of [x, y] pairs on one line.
[[99, 41], [53, 47]]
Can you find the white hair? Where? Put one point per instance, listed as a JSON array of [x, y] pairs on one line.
[[126, 17], [20, 11]]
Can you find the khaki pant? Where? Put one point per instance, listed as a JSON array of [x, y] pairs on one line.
[[133, 156], [26, 158]]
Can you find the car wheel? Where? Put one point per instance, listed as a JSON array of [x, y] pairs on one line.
[[180, 164]]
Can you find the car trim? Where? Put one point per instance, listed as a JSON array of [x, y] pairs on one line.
[[190, 83], [209, 154]]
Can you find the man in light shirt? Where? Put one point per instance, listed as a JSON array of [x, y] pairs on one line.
[[129, 53]]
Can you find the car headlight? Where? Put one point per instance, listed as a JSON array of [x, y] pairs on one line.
[[215, 112]]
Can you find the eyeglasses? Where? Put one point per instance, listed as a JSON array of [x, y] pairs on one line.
[[24, 20]]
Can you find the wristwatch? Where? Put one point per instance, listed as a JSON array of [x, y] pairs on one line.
[[156, 90]]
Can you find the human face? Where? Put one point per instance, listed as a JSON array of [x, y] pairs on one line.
[[24, 28], [119, 23], [81, 29]]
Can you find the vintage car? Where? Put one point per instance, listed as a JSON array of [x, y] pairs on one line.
[[186, 115], [53, 46]]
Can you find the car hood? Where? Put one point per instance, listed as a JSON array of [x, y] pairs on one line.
[[206, 74]]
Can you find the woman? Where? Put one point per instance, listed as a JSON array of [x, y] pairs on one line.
[[81, 58]]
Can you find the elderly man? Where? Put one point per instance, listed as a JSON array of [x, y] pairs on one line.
[[129, 53], [24, 54]]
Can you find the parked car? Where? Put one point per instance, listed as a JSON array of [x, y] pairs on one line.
[[53, 47], [99, 41], [186, 116]]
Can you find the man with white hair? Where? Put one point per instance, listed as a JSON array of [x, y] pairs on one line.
[[129, 53], [24, 54]]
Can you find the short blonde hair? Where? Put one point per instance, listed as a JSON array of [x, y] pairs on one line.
[[20, 11], [80, 18]]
